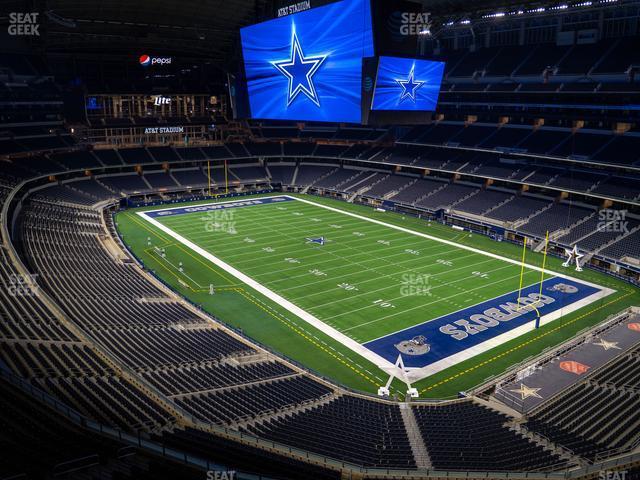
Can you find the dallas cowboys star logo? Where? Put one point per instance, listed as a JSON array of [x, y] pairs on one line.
[[409, 86], [573, 255], [299, 70], [319, 240], [526, 392], [608, 345]]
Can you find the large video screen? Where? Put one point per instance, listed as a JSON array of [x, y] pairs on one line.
[[308, 66], [407, 84]]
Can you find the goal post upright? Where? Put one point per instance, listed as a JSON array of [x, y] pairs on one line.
[[226, 178], [544, 264], [524, 254]]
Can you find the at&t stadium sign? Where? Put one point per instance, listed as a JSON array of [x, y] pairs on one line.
[[161, 130]]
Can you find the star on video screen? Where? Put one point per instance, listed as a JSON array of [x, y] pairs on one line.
[[308, 66], [407, 84]]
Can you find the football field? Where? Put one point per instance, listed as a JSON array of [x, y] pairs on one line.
[[377, 288]]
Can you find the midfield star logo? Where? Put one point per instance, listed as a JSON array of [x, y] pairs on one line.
[[299, 70], [409, 87], [319, 240]]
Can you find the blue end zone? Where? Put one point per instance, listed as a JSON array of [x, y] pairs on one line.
[[169, 212], [467, 328]]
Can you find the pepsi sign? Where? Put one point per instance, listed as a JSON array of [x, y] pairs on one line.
[[146, 60]]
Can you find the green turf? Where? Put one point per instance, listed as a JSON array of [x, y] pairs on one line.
[[367, 281]]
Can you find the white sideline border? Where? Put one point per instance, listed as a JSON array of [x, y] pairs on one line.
[[410, 375]]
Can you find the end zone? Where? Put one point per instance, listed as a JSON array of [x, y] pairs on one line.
[[464, 334]]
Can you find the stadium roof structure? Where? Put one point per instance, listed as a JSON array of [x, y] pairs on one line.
[[204, 28], [452, 7], [447, 7]]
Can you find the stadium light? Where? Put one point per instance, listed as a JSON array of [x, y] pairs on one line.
[[494, 15]]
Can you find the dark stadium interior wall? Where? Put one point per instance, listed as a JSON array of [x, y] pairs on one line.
[[387, 24], [74, 106]]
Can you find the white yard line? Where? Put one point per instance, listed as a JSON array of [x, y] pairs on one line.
[[348, 258], [338, 267], [321, 253], [206, 238], [441, 240], [315, 264], [273, 244], [394, 286], [351, 264], [439, 299], [371, 280]]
